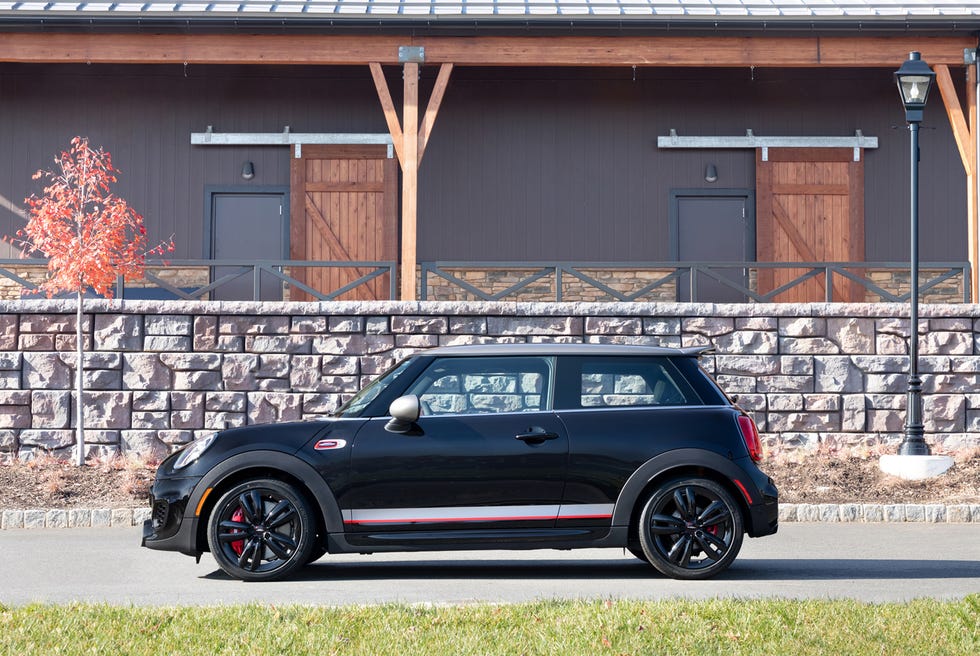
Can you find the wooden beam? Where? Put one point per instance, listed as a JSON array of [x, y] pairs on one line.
[[961, 132], [410, 171], [310, 49], [388, 107], [883, 51], [435, 101]]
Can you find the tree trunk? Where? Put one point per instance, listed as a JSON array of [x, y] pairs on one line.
[[79, 385]]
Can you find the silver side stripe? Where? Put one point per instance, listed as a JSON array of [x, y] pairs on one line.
[[477, 514]]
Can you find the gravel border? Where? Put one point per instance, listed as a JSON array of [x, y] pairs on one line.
[[868, 513]]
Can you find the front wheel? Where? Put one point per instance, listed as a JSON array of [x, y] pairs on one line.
[[261, 530], [690, 528]]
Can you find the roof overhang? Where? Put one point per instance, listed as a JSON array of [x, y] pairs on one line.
[[696, 33], [498, 16]]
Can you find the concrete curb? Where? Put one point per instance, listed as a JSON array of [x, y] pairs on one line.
[[876, 513], [844, 513], [73, 518]]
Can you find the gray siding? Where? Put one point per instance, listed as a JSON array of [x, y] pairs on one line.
[[569, 158], [523, 164], [144, 116]]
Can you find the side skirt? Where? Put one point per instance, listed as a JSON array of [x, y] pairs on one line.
[[477, 540]]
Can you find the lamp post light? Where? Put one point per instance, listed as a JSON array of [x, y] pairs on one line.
[[914, 80]]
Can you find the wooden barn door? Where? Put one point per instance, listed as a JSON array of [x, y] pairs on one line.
[[810, 209], [343, 207]]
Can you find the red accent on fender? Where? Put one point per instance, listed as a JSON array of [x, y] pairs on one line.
[[745, 493], [327, 445]]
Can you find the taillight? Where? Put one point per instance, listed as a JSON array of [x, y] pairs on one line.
[[750, 435]]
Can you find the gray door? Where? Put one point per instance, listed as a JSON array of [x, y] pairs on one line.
[[709, 229], [249, 228]]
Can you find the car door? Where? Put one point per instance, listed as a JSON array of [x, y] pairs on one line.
[[619, 412], [486, 453]]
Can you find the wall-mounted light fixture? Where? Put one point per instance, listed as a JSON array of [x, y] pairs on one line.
[[248, 170], [711, 173]]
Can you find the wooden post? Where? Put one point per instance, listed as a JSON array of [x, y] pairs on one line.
[[410, 140], [973, 203], [410, 178]]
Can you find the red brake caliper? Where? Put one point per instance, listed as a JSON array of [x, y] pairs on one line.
[[238, 545]]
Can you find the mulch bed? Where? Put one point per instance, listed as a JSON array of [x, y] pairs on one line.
[[801, 478]]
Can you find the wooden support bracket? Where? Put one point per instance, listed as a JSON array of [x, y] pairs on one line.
[[966, 144], [410, 140]]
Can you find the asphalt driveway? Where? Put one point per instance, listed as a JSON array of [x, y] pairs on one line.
[[868, 562]]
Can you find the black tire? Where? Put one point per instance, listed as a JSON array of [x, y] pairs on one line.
[[261, 530], [690, 528], [318, 552], [637, 551]]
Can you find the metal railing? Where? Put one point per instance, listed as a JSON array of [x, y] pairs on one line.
[[666, 281], [682, 280], [221, 275]]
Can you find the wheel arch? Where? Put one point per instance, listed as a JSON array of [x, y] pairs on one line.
[[676, 464], [264, 464]]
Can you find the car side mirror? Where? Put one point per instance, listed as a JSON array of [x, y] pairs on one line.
[[404, 411]]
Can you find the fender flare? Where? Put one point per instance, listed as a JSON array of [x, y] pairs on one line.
[[676, 459], [322, 494]]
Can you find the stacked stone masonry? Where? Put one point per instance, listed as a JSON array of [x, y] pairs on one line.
[[159, 374]]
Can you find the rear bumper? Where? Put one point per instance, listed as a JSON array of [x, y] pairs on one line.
[[763, 516]]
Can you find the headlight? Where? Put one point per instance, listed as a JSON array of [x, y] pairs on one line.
[[193, 451]]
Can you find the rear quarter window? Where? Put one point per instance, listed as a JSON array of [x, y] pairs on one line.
[[608, 382]]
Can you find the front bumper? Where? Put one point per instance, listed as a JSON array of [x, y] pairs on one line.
[[173, 525]]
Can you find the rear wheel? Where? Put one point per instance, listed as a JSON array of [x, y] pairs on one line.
[[690, 528], [637, 551], [261, 530]]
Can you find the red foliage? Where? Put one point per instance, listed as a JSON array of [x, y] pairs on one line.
[[89, 235]]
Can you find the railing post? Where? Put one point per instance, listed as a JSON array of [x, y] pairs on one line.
[[828, 276], [424, 291], [256, 278], [559, 295]]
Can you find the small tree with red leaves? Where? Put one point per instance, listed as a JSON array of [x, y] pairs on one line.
[[90, 237]]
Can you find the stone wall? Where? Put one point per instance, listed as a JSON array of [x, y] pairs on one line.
[[160, 374]]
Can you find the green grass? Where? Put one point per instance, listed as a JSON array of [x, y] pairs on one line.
[[589, 627]]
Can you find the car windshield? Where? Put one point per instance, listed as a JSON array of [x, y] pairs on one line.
[[356, 405]]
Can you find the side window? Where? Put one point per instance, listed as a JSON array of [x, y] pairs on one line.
[[475, 385], [651, 381]]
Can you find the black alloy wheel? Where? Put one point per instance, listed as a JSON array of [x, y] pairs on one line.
[[261, 530], [691, 528]]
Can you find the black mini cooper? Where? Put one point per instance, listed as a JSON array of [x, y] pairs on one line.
[[483, 447]]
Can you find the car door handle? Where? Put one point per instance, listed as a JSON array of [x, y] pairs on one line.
[[536, 436]]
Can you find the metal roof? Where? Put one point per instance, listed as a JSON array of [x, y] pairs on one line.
[[776, 11]]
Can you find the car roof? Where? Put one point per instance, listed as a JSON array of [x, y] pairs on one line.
[[565, 349]]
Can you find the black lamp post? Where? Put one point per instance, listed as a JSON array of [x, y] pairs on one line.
[[914, 80]]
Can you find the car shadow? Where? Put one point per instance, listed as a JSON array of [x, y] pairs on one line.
[[797, 569]]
